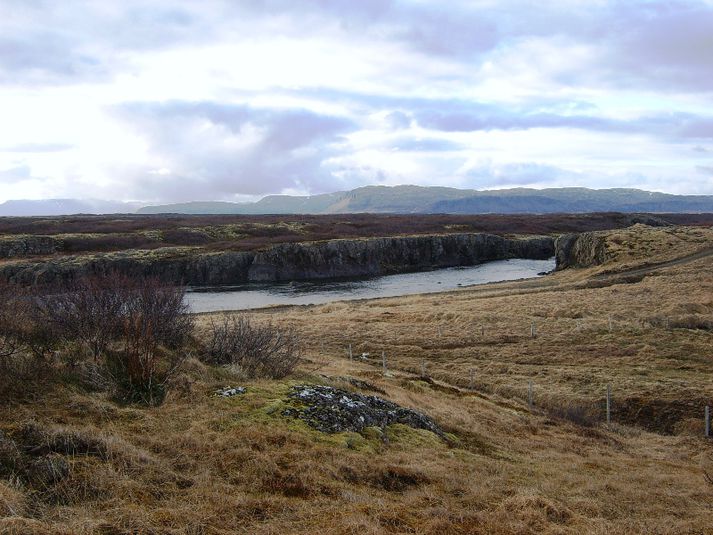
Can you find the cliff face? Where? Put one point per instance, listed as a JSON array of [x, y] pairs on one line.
[[378, 256], [580, 250], [301, 261]]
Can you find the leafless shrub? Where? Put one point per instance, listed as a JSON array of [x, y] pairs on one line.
[[90, 311], [257, 350], [8, 343], [25, 322], [154, 317], [26, 341], [164, 309], [94, 310], [134, 330]]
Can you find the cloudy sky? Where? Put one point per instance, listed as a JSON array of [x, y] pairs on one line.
[[174, 100]]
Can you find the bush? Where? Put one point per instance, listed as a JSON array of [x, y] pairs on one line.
[[153, 318], [90, 311], [257, 350], [26, 321], [8, 343], [133, 329], [26, 341]]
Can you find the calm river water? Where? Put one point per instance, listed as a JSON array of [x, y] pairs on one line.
[[254, 295]]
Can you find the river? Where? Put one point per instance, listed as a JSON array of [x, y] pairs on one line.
[[258, 295]]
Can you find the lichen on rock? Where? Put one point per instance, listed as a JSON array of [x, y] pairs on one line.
[[332, 410]]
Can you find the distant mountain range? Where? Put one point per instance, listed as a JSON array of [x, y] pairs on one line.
[[400, 199], [418, 199], [51, 207]]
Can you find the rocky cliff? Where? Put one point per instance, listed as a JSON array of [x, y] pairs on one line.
[[580, 250], [301, 261], [379, 256]]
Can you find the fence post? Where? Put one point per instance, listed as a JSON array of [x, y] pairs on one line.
[[608, 404], [423, 368], [471, 386], [350, 352], [610, 324], [708, 421], [383, 361], [529, 394], [533, 330]]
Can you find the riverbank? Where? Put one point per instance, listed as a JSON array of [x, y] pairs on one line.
[[286, 262], [259, 295]]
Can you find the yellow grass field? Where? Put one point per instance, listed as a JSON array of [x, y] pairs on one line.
[[199, 464]]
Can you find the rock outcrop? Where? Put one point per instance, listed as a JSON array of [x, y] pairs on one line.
[[332, 410], [379, 256], [287, 262], [580, 250]]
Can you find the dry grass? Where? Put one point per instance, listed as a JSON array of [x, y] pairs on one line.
[[658, 347], [201, 464]]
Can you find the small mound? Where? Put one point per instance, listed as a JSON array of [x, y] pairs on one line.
[[332, 410]]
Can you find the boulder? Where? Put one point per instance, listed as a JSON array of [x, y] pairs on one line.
[[332, 410]]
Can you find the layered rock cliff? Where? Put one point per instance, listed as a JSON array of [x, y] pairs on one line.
[[300, 261]]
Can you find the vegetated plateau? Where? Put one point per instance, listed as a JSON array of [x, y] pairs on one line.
[[162, 422]]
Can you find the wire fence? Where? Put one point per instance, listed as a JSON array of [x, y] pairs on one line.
[[576, 414]]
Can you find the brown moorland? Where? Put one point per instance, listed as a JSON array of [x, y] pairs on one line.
[[87, 233], [205, 464]]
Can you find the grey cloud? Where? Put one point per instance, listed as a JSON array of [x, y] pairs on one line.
[[469, 117], [289, 152], [698, 128], [49, 43], [668, 44], [519, 174], [705, 170], [535, 174], [15, 174], [634, 43], [41, 57], [442, 30]]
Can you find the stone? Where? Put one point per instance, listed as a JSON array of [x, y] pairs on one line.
[[332, 410], [229, 392]]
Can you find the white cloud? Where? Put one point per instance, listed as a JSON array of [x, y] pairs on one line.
[[177, 100]]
